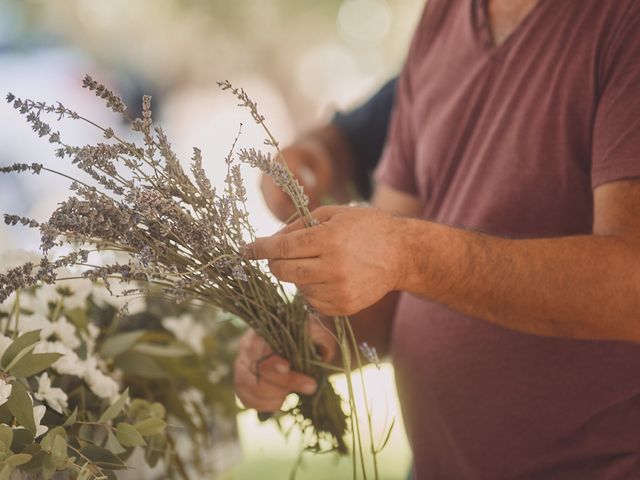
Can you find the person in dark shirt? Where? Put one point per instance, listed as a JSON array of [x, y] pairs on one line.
[[333, 161]]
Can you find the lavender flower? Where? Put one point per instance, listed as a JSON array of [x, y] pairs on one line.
[[175, 231], [370, 354]]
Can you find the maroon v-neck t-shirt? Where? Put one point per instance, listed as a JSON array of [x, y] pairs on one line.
[[512, 140]]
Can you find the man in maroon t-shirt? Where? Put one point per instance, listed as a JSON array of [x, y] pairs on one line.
[[501, 265]]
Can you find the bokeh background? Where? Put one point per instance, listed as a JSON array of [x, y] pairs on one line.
[[300, 59]]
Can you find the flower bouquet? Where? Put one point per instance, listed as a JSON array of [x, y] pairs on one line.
[[85, 391], [179, 234]]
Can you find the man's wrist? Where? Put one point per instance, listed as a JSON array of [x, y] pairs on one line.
[[405, 232], [419, 249]]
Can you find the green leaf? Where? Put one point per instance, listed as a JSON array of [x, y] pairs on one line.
[[59, 451], [48, 467], [156, 450], [157, 410], [150, 426], [18, 459], [5, 473], [37, 457], [72, 418], [22, 438], [77, 316], [120, 343], [6, 435], [19, 344], [48, 441], [139, 408], [113, 445], [115, 408], [102, 457], [168, 351], [134, 363], [5, 414], [21, 407], [129, 436], [33, 363], [86, 433], [4, 452]]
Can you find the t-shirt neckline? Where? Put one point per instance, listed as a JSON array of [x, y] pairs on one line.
[[484, 30]]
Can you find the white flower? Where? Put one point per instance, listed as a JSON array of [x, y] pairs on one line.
[[68, 364], [89, 337], [39, 301], [136, 305], [193, 401], [218, 373], [4, 343], [80, 290], [38, 413], [187, 330], [66, 333], [99, 383], [93, 331], [61, 328], [37, 321], [102, 297], [7, 305], [52, 396], [5, 391]]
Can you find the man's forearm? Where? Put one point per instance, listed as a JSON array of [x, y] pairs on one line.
[[580, 287]]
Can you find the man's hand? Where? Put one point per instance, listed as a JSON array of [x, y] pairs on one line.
[[311, 164], [345, 264], [264, 379]]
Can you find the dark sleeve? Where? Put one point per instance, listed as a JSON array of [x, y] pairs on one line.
[[365, 130]]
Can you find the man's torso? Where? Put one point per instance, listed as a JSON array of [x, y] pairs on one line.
[[503, 144]]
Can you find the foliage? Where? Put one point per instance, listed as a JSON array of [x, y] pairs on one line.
[[81, 389]]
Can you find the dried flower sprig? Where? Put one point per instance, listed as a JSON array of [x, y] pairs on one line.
[[179, 234], [282, 176]]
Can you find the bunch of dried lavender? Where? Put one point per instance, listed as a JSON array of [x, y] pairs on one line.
[[182, 235]]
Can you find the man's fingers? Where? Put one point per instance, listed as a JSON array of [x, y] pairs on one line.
[[253, 346], [302, 271], [253, 376], [299, 244], [259, 401], [327, 307], [320, 292], [291, 227], [270, 366], [276, 372], [302, 383], [267, 390]]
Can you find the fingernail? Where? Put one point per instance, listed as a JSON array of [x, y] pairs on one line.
[[308, 388], [282, 368]]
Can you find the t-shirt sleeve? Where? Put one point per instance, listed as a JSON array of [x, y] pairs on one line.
[[397, 165], [396, 168], [616, 134]]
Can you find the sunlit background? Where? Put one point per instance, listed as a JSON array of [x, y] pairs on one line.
[[300, 59]]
